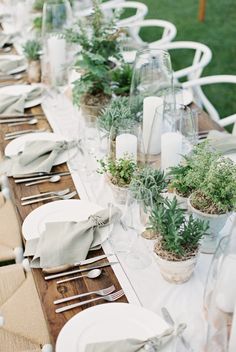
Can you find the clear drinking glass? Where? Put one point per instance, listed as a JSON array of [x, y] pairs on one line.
[[57, 16]]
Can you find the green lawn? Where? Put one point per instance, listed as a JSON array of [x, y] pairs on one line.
[[218, 32]]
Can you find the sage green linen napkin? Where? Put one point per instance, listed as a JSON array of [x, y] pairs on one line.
[[14, 104], [9, 65], [69, 242], [153, 344], [221, 141], [37, 156]]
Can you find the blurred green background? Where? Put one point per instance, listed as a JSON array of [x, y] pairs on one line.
[[218, 31]]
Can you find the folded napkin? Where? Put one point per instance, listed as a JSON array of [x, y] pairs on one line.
[[5, 39], [221, 141], [69, 242], [9, 65], [15, 104], [37, 156], [153, 344]]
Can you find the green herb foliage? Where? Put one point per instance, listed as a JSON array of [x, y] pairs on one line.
[[148, 181], [98, 45], [32, 49], [119, 171], [180, 236], [121, 79], [217, 194]]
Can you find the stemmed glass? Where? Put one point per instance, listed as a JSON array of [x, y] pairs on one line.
[[57, 16]]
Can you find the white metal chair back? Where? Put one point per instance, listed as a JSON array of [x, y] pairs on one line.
[[201, 97], [201, 59], [168, 34]]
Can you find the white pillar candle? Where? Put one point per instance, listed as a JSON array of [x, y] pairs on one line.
[[57, 56], [232, 340], [226, 286], [152, 124], [171, 144], [126, 145]]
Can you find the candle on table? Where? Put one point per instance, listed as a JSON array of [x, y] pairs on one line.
[[126, 145], [57, 56], [152, 122], [171, 145]]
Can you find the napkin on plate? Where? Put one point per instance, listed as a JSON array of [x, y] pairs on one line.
[[37, 156], [5, 39], [15, 104], [223, 142], [7, 65], [153, 344], [69, 242]]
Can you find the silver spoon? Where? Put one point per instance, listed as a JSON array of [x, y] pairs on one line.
[[92, 274], [52, 179], [32, 121]]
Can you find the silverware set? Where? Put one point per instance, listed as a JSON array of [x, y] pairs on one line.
[[62, 194], [13, 135], [41, 176]]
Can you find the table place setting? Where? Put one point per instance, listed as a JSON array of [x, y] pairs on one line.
[[11, 65]]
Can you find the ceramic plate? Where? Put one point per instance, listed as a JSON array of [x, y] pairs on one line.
[[61, 210], [18, 89], [11, 58], [108, 322], [17, 144]]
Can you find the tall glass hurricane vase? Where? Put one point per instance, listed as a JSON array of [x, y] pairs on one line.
[[57, 16], [152, 75]]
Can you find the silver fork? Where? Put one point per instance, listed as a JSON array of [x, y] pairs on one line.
[[110, 298], [54, 193], [66, 197], [102, 292]]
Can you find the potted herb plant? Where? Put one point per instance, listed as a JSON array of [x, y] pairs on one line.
[[190, 173], [121, 79], [92, 91], [178, 241], [32, 49], [215, 199], [148, 185], [119, 173]]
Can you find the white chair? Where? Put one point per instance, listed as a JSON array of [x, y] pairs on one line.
[[22, 324], [107, 7], [168, 34], [201, 58], [201, 98]]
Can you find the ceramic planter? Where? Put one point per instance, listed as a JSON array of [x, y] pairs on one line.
[[34, 71], [119, 193], [176, 272], [182, 201], [216, 224]]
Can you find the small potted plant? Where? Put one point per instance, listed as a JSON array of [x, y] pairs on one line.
[[178, 241], [32, 49], [148, 185], [215, 199], [99, 46], [119, 174], [121, 79], [190, 173]]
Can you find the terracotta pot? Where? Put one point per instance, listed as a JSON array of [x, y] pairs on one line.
[[216, 224], [34, 71], [176, 272]]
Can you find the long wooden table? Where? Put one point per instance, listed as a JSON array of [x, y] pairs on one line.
[[47, 290]]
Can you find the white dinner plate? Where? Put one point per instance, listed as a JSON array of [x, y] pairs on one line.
[[14, 58], [61, 210], [17, 145], [19, 89], [108, 322]]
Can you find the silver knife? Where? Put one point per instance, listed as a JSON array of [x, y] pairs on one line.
[[7, 138], [22, 180], [19, 116], [69, 266], [50, 277], [22, 132]]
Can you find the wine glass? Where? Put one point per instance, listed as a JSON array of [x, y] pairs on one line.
[[57, 16], [135, 218]]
